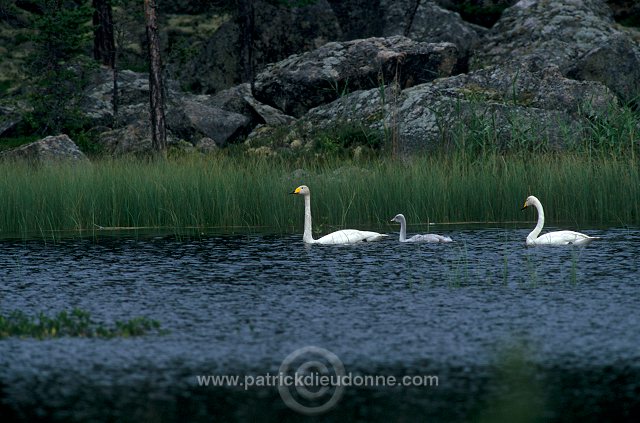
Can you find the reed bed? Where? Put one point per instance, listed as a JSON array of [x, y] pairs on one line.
[[240, 192]]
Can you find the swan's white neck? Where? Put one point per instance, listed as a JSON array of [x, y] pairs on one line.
[[307, 236], [403, 229], [536, 231]]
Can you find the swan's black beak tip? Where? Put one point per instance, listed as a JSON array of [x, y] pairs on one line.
[[523, 207]]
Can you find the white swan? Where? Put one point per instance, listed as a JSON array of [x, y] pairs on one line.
[[417, 238], [345, 236], [552, 238]]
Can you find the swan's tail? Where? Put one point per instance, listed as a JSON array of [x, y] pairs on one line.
[[376, 237], [587, 240]]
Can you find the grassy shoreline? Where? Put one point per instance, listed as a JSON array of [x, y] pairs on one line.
[[226, 192]]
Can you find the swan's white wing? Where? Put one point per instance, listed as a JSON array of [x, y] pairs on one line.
[[429, 238], [563, 238], [349, 236], [443, 238]]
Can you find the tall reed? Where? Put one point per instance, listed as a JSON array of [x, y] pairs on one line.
[[226, 192]]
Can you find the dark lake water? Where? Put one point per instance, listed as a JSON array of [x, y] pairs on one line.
[[542, 333]]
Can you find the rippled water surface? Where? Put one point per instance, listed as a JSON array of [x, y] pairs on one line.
[[241, 304]]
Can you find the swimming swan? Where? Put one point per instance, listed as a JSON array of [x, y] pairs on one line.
[[552, 238], [417, 238], [346, 236]]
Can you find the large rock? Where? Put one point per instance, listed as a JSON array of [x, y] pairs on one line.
[[425, 118], [191, 117], [528, 106], [417, 19], [358, 18], [558, 30], [532, 82], [279, 31], [615, 63], [233, 100], [429, 23], [480, 12], [580, 37], [52, 149], [132, 96], [132, 139], [188, 116], [303, 81], [239, 99]]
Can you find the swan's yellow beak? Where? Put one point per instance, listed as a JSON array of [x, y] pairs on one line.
[[525, 206], [295, 191]]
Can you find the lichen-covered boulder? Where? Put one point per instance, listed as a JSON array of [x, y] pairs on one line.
[[615, 63], [187, 116], [304, 81], [239, 99], [578, 36], [193, 117], [132, 139], [52, 149], [133, 90], [560, 31], [428, 22], [532, 82], [507, 107]]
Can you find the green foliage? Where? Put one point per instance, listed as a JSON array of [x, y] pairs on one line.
[[86, 143], [250, 192], [129, 27], [473, 128], [57, 66], [4, 87], [77, 323], [612, 134], [9, 143], [341, 138]]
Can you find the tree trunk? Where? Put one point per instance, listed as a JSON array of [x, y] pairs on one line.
[[156, 91], [104, 49]]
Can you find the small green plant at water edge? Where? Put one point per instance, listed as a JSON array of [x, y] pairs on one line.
[[77, 323]]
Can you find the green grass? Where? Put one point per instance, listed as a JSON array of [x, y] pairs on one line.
[[77, 323], [229, 192], [10, 143]]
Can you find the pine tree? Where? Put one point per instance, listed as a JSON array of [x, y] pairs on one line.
[[56, 65]]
